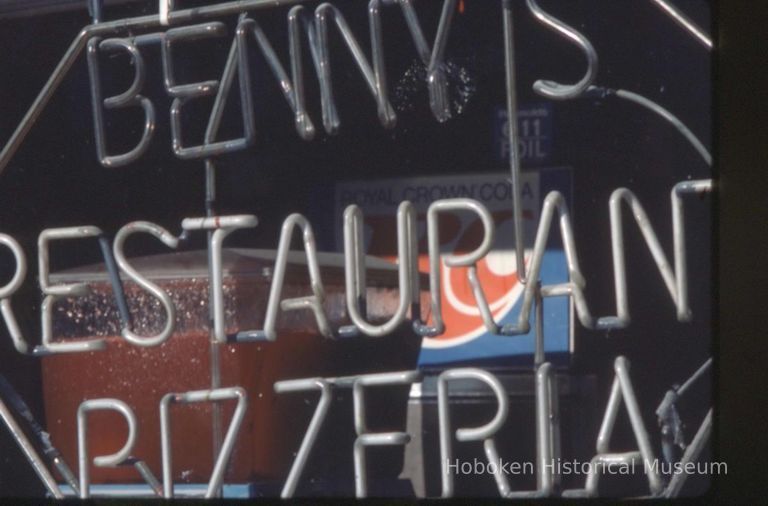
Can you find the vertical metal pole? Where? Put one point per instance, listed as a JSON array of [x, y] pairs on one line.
[[543, 432], [212, 129], [514, 156], [214, 345], [538, 357], [554, 425]]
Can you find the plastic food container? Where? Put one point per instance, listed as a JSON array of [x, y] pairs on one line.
[[140, 376]]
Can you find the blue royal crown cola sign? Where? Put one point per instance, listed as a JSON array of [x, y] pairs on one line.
[[466, 338]]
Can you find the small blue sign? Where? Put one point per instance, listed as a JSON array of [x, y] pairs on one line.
[[534, 124]]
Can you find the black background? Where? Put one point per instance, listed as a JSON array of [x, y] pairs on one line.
[[55, 179]]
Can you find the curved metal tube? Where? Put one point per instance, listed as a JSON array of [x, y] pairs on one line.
[[312, 302], [186, 92], [555, 90], [112, 460], [323, 405], [354, 267], [198, 396], [485, 432], [111, 28], [188, 33], [676, 281], [375, 77], [433, 59], [170, 311], [21, 266], [51, 234], [292, 88], [621, 390], [9, 289], [129, 98], [54, 292], [365, 438], [554, 201], [221, 226], [617, 245], [466, 260], [678, 233], [669, 117]]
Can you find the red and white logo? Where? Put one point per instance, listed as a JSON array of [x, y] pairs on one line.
[[459, 232], [497, 272]]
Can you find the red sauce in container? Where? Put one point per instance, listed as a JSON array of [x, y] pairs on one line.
[[139, 376]]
